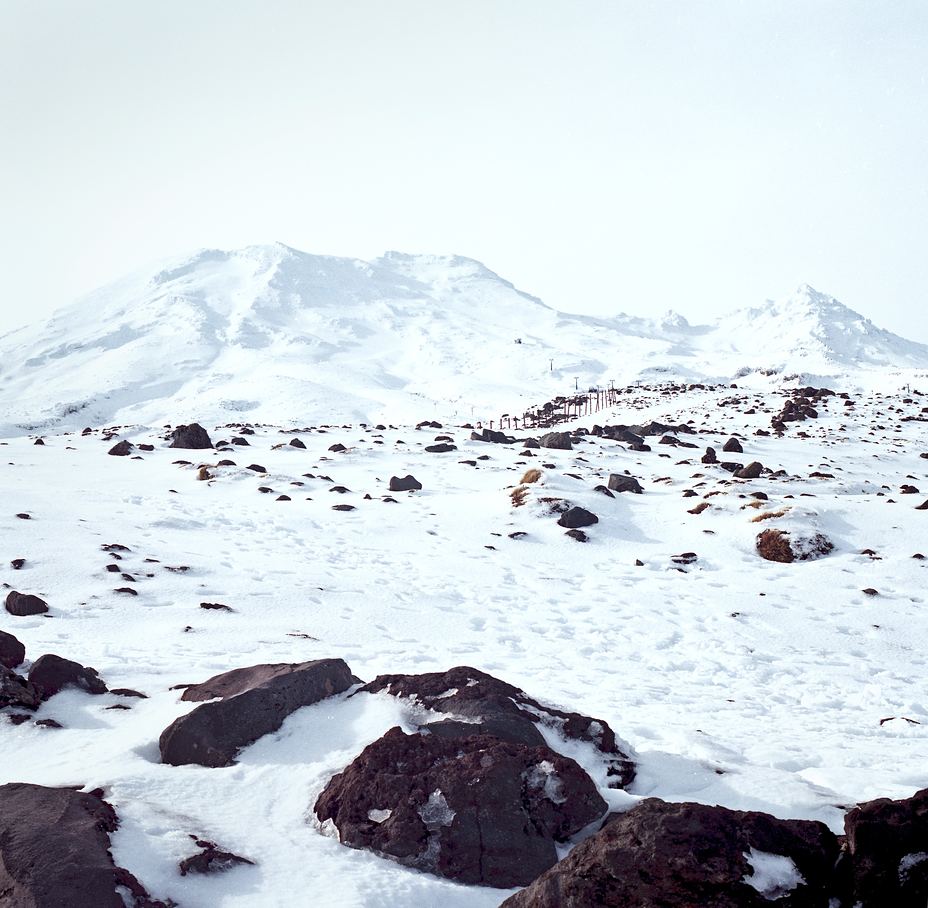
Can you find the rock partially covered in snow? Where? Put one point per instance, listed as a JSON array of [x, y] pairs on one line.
[[53, 673], [12, 651], [54, 851], [474, 809], [786, 547], [692, 855], [255, 701], [888, 845], [478, 703]]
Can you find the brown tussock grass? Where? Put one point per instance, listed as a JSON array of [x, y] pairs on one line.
[[769, 515]]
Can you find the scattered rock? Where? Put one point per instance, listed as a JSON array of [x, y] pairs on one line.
[[297, 443], [574, 518], [17, 564], [710, 456], [339, 448], [215, 606], [441, 448], [193, 436], [122, 449], [474, 809], [407, 483], [732, 446], [559, 440], [256, 468], [12, 651], [23, 604], [618, 482], [751, 471], [255, 701], [579, 535], [779, 545], [17, 691], [53, 673]]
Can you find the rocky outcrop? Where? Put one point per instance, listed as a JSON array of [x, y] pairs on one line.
[[687, 855], [474, 809], [255, 701]]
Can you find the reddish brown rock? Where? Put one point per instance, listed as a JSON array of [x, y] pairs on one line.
[[473, 809]]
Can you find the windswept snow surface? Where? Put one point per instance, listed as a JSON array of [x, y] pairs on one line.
[[268, 333], [756, 685]]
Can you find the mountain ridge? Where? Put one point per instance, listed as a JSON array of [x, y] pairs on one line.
[[272, 333]]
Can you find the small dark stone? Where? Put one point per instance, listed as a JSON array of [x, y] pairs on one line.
[[256, 467], [297, 443], [407, 483], [215, 606], [53, 673], [212, 859], [618, 482], [17, 563], [579, 535], [574, 518], [441, 448], [337, 448]]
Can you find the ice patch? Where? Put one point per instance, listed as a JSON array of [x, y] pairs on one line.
[[544, 777], [436, 811], [775, 875], [910, 861], [379, 816]]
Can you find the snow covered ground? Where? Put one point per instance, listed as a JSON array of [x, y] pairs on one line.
[[780, 687]]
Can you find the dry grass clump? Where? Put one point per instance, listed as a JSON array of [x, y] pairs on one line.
[[699, 508], [769, 515], [518, 496], [530, 476], [773, 545]]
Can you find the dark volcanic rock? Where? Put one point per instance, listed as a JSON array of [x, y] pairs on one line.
[[574, 518], [441, 448], [256, 700], [22, 604], [474, 809], [121, 449], [887, 842], [297, 443], [17, 691], [559, 440], [212, 859], [193, 436], [732, 446], [407, 483], [490, 435], [493, 707], [54, 851], [52, 673], [751, 471], [710, 456], [621, 483], [12, 652], [660, 855]]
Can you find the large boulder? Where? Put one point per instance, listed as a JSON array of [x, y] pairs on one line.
[[12, 652], [478, 703], [618, 482], [193, 436], [687, 855], [751, 471], [474, 809], [559, 440], [732, 446], [17, 692], [55, 852], [53, 673], [23, 604], [255, 701], [887, 842]]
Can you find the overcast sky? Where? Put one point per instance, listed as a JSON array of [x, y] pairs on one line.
[[605, 156]]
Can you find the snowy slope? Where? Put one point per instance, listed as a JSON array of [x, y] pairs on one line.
[[272, 334]]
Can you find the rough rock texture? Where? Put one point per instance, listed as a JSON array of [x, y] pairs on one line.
[[661, 855], [52, 673], [751, 471], [121, 449], [407, 483], [256, 700], [887, 842], [474, 809], [779, 545], [193, 436], [22, 604], [486, 705], [12, 652], [54, 851], [17, 691], [618, 482], [211, 859], [559, 440], [573, 518], [732, 446]]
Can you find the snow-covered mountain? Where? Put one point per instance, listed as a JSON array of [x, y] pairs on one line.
[[269, 333]]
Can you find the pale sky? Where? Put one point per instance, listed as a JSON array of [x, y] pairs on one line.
[[605, 156]]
